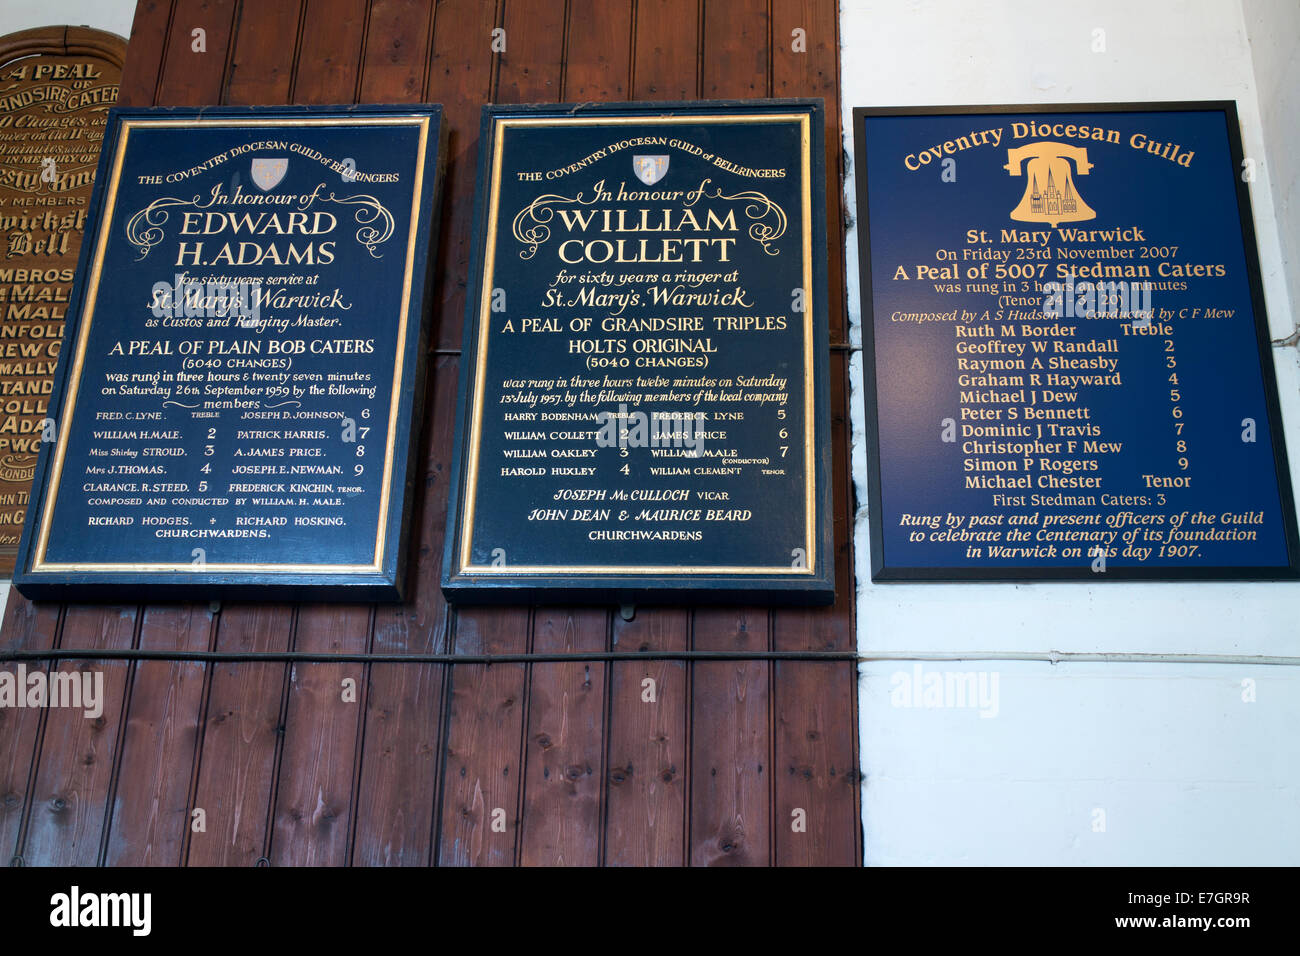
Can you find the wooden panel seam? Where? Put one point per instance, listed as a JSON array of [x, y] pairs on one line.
[[38, 745], [128, 688]]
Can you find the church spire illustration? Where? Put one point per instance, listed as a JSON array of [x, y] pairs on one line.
[[1050, 195], [1051, 201]]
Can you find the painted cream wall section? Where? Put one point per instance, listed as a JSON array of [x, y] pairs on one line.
[[1086, 764], [1117, 762], [112, 15], [1273, 28]]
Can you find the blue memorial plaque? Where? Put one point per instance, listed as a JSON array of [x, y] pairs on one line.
[[1067, 370], [644, 406], [242, 371]]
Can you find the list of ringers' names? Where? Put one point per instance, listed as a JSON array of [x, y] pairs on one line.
[[283, 456], [235, 402], [1091, 332], [646, 372]]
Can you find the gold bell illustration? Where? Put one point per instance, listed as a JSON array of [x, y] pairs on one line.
[[1050, 194]]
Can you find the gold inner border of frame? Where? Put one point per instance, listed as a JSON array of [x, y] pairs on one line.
[[39, 564], [810, 464]]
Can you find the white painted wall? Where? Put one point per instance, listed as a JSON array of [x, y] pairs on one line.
[[1273, 28], [1184, 769], [111, 15]]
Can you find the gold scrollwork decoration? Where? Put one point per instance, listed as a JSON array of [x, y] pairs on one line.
[[541, 211], [371, 211], [144, 229], [758, 208]]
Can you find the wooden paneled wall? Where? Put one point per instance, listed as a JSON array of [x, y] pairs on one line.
[[582, 769]]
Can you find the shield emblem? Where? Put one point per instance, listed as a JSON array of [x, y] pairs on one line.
[[650, 169], [267, 173]]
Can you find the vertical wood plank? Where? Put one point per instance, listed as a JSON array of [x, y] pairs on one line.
[[329, 63], [313, 805], [461, 78], [27, 626], [150, 814], [816, 764], [816, 704], [312, 819], [396, 51], [70, 795], [146, 46], [563, 772], [646, 741], [240, 740], [397, 790], [666, 57], [488, 704], [564, 740], [666, 53], [261, 68], [401, 784], [645, 815], [730, 739], [531, 68], [736, 61], [244, 729], [816, 72], [598, 56], [193, 77], [480, 813], [731, 701]]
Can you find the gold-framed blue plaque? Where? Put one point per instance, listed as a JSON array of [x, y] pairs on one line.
[[241, 379], [643, 410], [1066, 359]]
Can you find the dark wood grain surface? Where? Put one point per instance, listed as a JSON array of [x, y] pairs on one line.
[[577, 762]]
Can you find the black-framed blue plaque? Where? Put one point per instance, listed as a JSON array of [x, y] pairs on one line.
[[240, 385], [643, 396], [1067, 368]]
